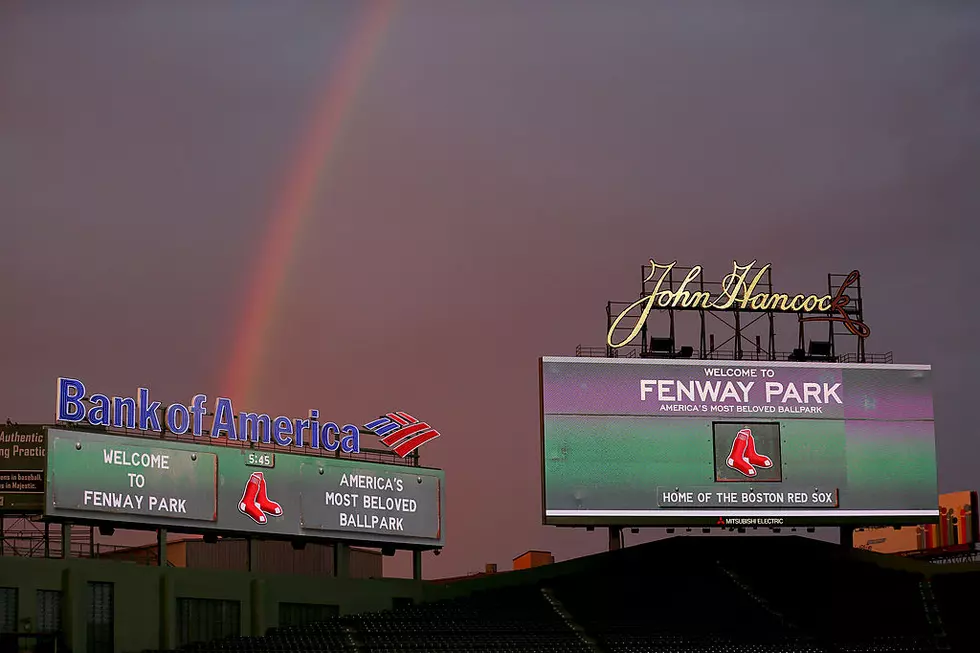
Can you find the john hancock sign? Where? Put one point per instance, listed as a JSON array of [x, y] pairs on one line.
[[739, 292]]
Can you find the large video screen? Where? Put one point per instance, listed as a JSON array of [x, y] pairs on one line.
[[635, 442], [186, 487]]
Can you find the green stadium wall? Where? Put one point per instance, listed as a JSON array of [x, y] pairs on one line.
[[145, 597]]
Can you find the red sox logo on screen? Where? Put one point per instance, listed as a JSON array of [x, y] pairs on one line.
[[743, 457], [397, 431], [256, 503]]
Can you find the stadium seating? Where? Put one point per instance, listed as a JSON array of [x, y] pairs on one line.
[[332, 636], [516, 619], [958, 599], [677, 601], [841, 598], [686, 595]]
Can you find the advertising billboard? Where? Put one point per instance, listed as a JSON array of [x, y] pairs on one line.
[[22, 452], [398, 432], [887, 539], [957, 529], [187, 487], [957, 523], [736, 443]]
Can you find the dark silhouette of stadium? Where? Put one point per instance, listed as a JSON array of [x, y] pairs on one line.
[[710, 594]]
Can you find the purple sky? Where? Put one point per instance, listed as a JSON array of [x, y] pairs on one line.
[[514, 164]]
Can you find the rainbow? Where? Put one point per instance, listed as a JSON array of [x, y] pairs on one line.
[[298, 199]]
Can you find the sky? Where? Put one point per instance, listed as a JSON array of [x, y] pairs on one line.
[[435, 193]]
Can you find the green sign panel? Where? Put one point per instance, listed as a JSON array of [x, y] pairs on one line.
[[196, 487], [364, 500], [115, 477]]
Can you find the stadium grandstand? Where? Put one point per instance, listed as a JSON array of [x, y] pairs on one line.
[[690, 594]]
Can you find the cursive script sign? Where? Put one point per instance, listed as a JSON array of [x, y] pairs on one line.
[[738, 293]]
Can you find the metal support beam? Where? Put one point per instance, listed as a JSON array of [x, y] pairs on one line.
[[162, 547], [417, 565], [257, 601], [341, 560], [615, 538], [168, 606]]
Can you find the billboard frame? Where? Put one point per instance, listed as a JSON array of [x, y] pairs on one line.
[[722, 517], [107, 521]]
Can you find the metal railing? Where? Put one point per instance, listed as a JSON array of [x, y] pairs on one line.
[[603, 352], [634, 351], [593, 352], [881, 359], [31, 544]]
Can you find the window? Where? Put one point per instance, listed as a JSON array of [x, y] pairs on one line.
[[301, 614], [48, 611], [204, 620], [101, 618], [8, 609]]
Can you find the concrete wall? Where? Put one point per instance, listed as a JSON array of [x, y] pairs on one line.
[[269, 557], [145, 597], [274, 557]]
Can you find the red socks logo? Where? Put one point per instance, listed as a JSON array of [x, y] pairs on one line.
[[744, 458], [255, 501]]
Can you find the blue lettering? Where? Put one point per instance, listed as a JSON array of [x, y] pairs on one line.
[[98, 414], [301, 425], [314, 429], [323, 439], [145, 415], [248, 427], [149, 412], [125, 405], [282, 428], [70, 393], [175, 426], [351, 443], [224, 419], [198, 411]]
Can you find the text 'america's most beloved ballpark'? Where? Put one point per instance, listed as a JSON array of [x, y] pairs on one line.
[[668, 442], [191, 487]]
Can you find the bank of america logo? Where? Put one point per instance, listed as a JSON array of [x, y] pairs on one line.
[[401, 432]]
